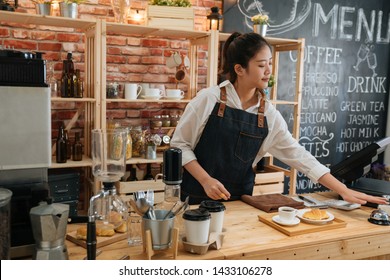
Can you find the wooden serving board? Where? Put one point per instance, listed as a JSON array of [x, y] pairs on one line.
[[101, 240], [302, 227]]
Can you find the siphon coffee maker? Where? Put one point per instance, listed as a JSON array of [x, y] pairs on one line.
[[106, 209], [49, 221]]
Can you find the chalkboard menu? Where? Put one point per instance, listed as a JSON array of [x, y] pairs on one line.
[[346, 69]]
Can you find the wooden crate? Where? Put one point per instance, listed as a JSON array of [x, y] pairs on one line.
[[270, 181], [182, 18]]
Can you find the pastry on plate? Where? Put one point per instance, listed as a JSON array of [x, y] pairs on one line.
[[316, 214]]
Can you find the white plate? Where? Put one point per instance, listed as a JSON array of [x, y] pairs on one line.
[[309, 221], [277, 220], [151, 97], [174, 97]]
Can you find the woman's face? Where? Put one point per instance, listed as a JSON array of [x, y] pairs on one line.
[[259, 69]]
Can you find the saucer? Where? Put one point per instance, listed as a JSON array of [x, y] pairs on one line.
[[151, 97], [174, 97], [277, 220]]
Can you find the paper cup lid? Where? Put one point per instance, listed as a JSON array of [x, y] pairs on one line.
[[212, 205], [196, 215]]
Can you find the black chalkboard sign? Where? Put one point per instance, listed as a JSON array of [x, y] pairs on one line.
[[346, 70]]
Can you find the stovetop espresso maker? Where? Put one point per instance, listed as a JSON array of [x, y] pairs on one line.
[[49, 221]]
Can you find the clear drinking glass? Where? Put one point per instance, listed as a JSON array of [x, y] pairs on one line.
[[134, 230]]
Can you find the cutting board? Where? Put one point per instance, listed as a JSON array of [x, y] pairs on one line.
[[101, 240], [302, 227]]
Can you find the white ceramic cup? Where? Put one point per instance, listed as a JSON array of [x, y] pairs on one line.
[[153, 92], [287, 214], [174, 93], [174, 60], [132, 91]]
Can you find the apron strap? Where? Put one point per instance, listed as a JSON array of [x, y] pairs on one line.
[[260, 112], [222, 105], [260, 115]]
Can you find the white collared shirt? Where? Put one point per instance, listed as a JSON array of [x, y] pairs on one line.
[[279, 142]]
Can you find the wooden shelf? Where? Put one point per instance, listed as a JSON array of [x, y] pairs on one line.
[[62, 99], [85, 162], [33, 19], [132, 29], [139, 160]]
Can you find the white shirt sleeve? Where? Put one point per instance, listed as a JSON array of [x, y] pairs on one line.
[[280, 144]]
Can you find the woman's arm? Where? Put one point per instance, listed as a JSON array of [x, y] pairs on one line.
[[349, 195]]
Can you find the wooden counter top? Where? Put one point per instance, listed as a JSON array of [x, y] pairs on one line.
[[248, 238]]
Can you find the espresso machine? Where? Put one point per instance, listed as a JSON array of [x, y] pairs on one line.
[[106, 209], [49, 221]]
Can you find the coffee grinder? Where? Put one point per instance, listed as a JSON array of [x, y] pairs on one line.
[[49, 221], [106, 209]]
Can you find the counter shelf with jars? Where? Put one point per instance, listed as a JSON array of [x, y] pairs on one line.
[[196, 39]]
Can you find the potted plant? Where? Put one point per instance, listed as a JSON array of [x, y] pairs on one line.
[[152, 141], [260, 24], [69, 8], [174, 14], [43, 7]]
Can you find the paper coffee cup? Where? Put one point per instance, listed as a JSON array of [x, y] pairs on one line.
[[197, 224], [217, 212]]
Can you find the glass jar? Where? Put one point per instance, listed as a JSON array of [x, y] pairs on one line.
[[174, 119], [138, 140], [129, 143], [112, 90], [156, 122], [166, 121]]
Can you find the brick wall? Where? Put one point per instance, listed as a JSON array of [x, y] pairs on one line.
[[129, 59]]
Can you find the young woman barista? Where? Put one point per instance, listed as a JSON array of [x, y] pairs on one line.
[[225, 130]]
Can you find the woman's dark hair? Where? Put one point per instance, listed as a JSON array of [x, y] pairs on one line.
[[239, 49]]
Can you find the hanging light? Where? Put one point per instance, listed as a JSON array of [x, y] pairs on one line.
[[214, 20]]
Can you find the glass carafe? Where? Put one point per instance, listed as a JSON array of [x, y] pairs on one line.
[[107, 211]]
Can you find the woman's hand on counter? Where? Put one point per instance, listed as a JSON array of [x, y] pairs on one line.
[[352, 196], [215, 189], [362, 198]]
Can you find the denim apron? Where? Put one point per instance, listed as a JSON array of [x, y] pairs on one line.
[[226, 150]]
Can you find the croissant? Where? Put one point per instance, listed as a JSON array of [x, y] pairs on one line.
[[316, 214]]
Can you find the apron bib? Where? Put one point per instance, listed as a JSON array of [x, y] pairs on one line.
[[226, 150]]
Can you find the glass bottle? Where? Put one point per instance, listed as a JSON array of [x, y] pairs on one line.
[[61, 153], [68, 145], [133, 174], [77, 149], [64, 83], [78, 86], [148, 174]]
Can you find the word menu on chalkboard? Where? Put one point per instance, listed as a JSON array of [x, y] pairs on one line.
[[346, 70]]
